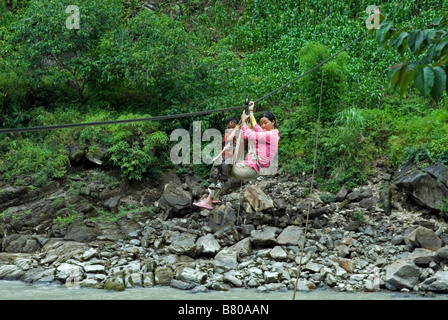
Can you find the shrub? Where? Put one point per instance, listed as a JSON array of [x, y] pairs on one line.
[[358, 215], [40, 161], [138, 157], [444, 209], [333, 86]]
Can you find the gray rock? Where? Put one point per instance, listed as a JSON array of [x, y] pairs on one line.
[[66, 271], [39, 275], [425, 238], [79, 232], [183, 244], [427, 186], [192, 276], [265, 237], [148, 279], [442, 253], [342, 193], [17, 243], [134, 280], [343, 250], [271, 277], [258, 200], [175, 200], [229, 278], [89, 254], [290, 236], [277, 253], [112, 202], [368, 203], [221, 216], [163, 276], [397, 240], [208, 245], [438, 283], [182, 285], [353, 196], [11, 272], [94, 268], [313, 266], [226, 260], [422, 257], [402, 274], [242, 248], [352, 225], [386, 196]]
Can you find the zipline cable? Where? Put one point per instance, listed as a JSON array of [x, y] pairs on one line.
[[175, 116]]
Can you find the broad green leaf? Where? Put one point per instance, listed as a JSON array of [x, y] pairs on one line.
[[441, 46], [394, 74], [382, 31], [439, 83], [398, 41], [415, 39], [406, 80], [424, 79]]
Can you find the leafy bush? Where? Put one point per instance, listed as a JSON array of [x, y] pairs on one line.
[[420, 138], [444, 209], [139, 157], [358, 215], [333, 85], [28, 158]]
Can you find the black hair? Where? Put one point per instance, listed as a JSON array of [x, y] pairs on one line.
[[232, 120], [270, 116]]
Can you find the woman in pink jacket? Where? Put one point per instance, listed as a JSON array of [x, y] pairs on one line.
[[264, 139]]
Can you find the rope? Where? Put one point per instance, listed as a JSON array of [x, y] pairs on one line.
[[317, 137], [175, 116], [299, 269], [98, 123]]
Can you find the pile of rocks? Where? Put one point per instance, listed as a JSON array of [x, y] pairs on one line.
[[364, 239]]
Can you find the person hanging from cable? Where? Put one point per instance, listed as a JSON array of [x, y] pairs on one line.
[[263, 142], [222, 165]]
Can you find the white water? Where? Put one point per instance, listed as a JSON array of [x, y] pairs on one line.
[[15, 290]]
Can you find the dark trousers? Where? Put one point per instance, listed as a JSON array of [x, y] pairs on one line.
[[220, 172]]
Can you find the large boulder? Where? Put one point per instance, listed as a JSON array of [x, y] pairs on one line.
[[17, 243], [183, 244], [428, 186], [208, 245], [290, 236], [258, 200], [265, 237], [438, 283], [79, 232], [425, 238], [221, 216], [175, 200], [402, 274]]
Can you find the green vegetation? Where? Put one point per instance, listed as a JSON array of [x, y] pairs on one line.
[[358, 215], [444, 209], [126, 61]]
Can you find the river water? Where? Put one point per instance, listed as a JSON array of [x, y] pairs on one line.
[[16, 290]]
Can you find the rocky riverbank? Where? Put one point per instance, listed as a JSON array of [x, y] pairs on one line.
[[92, 229]]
